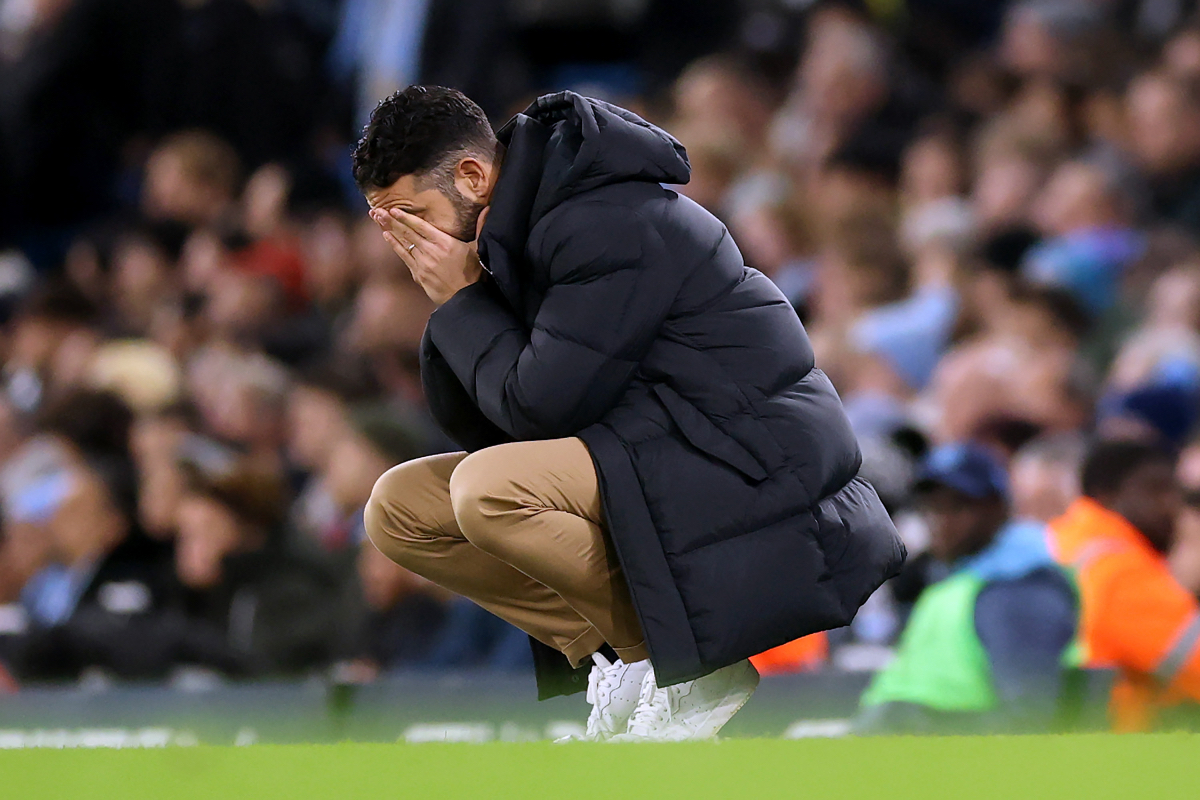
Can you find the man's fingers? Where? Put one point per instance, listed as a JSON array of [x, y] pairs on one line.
[[401, 248], [417, 225]]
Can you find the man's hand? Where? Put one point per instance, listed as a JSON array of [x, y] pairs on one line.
[[439, 263]]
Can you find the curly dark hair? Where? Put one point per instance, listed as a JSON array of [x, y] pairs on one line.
[[416, 131]]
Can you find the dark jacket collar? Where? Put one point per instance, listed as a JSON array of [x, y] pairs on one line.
[[563, 145]]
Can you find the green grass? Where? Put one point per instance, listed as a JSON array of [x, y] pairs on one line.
[[964, 768]]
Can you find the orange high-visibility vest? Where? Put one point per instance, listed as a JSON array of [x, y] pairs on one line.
[[806, 653], [1135, 616]]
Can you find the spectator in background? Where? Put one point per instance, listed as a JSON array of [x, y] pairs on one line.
[[986, 647], [406, 612], [1045, 476], [1136, 617], [105, 599], [155, 440], [1023, 365], [270, 611], [54, 324], [1164, 127], [412, 623], [191, 178], [1185, 551], [376, 439], [317, 422], [776, 236], [1087, 209]]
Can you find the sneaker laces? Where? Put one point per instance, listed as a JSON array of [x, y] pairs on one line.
[[653, 711], [602, 680]]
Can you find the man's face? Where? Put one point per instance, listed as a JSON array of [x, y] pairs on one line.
[[1075, 197], [452, 209], [1165, 133], [87, 524], [207, 533], [960, 525], [1150, 500], [315, 421]]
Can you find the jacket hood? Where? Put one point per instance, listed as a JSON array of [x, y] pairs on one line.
[[561, 146], [582, 144]]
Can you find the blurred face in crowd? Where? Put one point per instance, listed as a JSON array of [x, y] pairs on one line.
[[316, 421], [451, 203], [1077, 197], [240, 302], [331, 271], [25, 548], [352, 469], [1028, 47], [141, 275], [154, 442], [387, 316], [264, 200], [207, 532], [191, 177], [202, 258], [172, 191], [1181, 56], [715, 160], [88, 524], [713, 95], [843, 71], [1150, 499], [10, 432], [384, 583], [763, 238], [1174, 301], [1188, 470], [841, 192], [1042, 488], [1004, 187], [960, 525], [36, 341], [1164, 124], [932, 170]]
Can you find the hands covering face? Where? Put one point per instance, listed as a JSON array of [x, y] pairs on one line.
[[439, 263]]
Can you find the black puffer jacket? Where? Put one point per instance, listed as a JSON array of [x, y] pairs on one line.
[[622, 313]]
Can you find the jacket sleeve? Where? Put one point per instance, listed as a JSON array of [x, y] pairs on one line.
[[450, 405], [612, 284]]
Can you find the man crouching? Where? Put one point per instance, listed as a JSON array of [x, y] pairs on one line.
[[657, 482]]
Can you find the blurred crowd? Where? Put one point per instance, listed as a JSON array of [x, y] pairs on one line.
[[986, 213]]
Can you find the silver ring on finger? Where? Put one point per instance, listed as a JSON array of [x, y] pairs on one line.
[[412, 247]]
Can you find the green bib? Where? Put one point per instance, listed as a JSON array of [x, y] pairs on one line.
[[940, 662]]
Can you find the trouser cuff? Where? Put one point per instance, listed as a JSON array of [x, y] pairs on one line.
[[581, 647], [629, 655]]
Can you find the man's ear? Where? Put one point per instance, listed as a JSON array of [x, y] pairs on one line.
[[473, 177]]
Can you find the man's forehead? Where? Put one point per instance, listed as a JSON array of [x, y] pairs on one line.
[[404, 190]]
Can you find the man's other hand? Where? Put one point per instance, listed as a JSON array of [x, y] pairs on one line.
[[440, 263]]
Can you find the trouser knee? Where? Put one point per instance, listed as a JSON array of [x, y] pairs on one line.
[[388, 523], [476, 495]]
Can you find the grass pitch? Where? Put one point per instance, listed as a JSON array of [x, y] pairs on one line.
[[1093, 767]]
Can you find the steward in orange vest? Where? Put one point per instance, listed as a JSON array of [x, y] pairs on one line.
[[1136, 617]]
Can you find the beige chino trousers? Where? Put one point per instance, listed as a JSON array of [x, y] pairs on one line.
[[518, 529]]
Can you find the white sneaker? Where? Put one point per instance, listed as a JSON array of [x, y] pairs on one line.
[[693, 710], [614, 690]]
